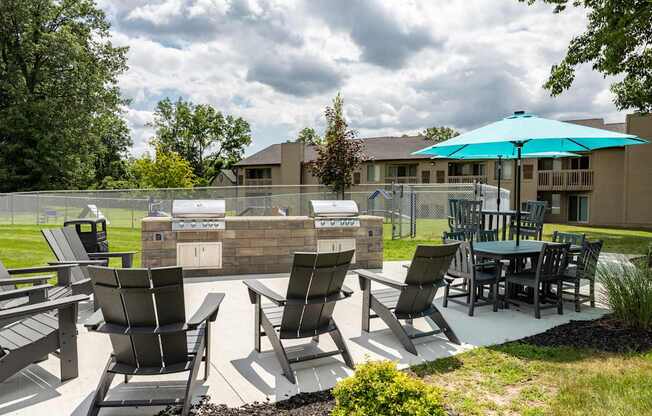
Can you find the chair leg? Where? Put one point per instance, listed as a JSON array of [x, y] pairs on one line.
[[278, 348], [258, 311], [102, 389], [447, 289], [577, 295], [439, 320], [592, 292], [207, 357], [494, 295], [68, 343], [390, 320], [472, 297], [560, 301], [336, 335], [537, 307], [366, 306], [192, 379]]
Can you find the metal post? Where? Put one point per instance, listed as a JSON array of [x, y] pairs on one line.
[[500, 174], [519, 147], [65, 210], [11, 201], [38, 207], [133, 201]]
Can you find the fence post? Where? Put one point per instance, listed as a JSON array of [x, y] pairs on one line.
[[133, 201], [65, 209], [38, 207], [11, 202]]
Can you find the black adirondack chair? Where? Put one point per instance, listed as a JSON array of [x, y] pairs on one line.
[[465, 215], [316, 285], [532, 223], [583, 269], [29, 333], [412, 298], [12, 296], [143, 312], [549, 270], [476, 278], [68, 248]]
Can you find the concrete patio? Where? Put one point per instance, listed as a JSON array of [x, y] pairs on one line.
[[239, 375]]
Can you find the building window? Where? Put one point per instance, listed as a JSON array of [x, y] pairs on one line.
[[373, 173], [545, 164], [356, 178], [578, 208], [465, 169], [508, 168], [425, 176], [441, 176], [402, 173], [259, 173], [579, 163], [528, 172]]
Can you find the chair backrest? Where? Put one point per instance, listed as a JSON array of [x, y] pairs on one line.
[[536, 214], [587, 261], [553, 259], [424, 277], [315, 286], [62, 250], [75, 243], [572, 238], [487, 235], [457, 236], [468, 216], [144, 299]]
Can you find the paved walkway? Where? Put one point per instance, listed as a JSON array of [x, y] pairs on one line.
[[240, 375]]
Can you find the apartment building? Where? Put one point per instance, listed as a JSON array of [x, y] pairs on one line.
[[611, 187]]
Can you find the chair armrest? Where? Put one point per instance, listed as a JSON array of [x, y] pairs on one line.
[[111, 254], [37, 308], [24, 280], [207, 311], [80, 262], [367, 275], [95, 320], [23, 291], [347, 291], [258, 289], [41, 269], [82, 282]]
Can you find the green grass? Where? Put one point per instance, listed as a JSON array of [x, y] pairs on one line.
[[23, 245], [520, 379]]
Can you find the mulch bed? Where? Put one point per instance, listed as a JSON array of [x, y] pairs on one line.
[[604, 334]]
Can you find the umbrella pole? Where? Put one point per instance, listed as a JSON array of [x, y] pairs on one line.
[[500, 173], [518, 193]]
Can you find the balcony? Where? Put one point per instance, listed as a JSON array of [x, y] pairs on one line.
[[402, 179], [467, 179], [258, 182], [566, 180]]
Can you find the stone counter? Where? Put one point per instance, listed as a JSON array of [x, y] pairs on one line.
[[260, 244]]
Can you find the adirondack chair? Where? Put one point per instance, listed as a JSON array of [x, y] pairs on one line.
[[306, 310], [68, 248], [412, 298], [30, 332], [466, 215], [476, 277], [12, 296], [552, 261], [584, 269], [143, 312], [531, 223]]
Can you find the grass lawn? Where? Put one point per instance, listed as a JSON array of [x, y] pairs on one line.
[[520, 379], [23, 245]]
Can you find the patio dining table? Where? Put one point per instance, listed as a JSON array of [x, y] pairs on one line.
[[502, 217]]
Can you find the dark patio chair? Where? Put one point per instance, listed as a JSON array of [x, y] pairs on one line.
[[487, 235], [68, 248], [143, 312], [458, 235], [34, 289], [306, 311], [584, 269], [477, 277], [531, 223], [574, 239], [549, 269], [466, 215], [412, 298], [31, 332]]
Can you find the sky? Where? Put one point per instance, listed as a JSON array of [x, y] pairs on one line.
[[401, 66]]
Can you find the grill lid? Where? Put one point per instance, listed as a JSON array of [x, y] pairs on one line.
[[335, 208], [198, 208]]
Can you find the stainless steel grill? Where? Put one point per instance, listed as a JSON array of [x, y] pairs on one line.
[[335, 214], [198, 214]]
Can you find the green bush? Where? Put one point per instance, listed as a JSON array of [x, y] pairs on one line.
[[627, 290], [380, 389]]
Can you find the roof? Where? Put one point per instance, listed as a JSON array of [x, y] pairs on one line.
[[599, 123], [375, 148]]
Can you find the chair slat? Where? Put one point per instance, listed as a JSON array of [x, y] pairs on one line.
[[75, 244]]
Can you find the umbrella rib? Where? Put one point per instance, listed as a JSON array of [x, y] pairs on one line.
[[579, 144], [451, 154]]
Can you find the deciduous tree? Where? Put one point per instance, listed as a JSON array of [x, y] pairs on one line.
[[439, 134], [308, 135]]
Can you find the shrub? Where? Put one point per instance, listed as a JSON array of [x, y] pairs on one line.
[[379, 388], [627, 290]]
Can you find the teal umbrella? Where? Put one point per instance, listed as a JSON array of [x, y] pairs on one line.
[[524, 134]]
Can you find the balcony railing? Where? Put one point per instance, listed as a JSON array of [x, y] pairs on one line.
[[467, 179], [258, 182], [566, 180], [402, 179]]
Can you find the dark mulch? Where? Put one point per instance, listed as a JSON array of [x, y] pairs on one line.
[[603, 334]]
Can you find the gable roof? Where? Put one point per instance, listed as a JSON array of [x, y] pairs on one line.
[[375, 148]]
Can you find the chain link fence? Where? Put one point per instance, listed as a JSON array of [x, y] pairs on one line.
[[126, 208]]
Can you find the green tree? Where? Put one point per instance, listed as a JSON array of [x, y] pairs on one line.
[[59, 100], [166, 170], [439, 134], [618, 42], [209, 140], [308, 135], [340, 154]]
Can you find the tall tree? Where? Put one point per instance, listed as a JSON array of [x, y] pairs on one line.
[[308, 135], [207, 139], [618, 42], [340, 154], [59, 100], [166, 170], [439, 134]]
